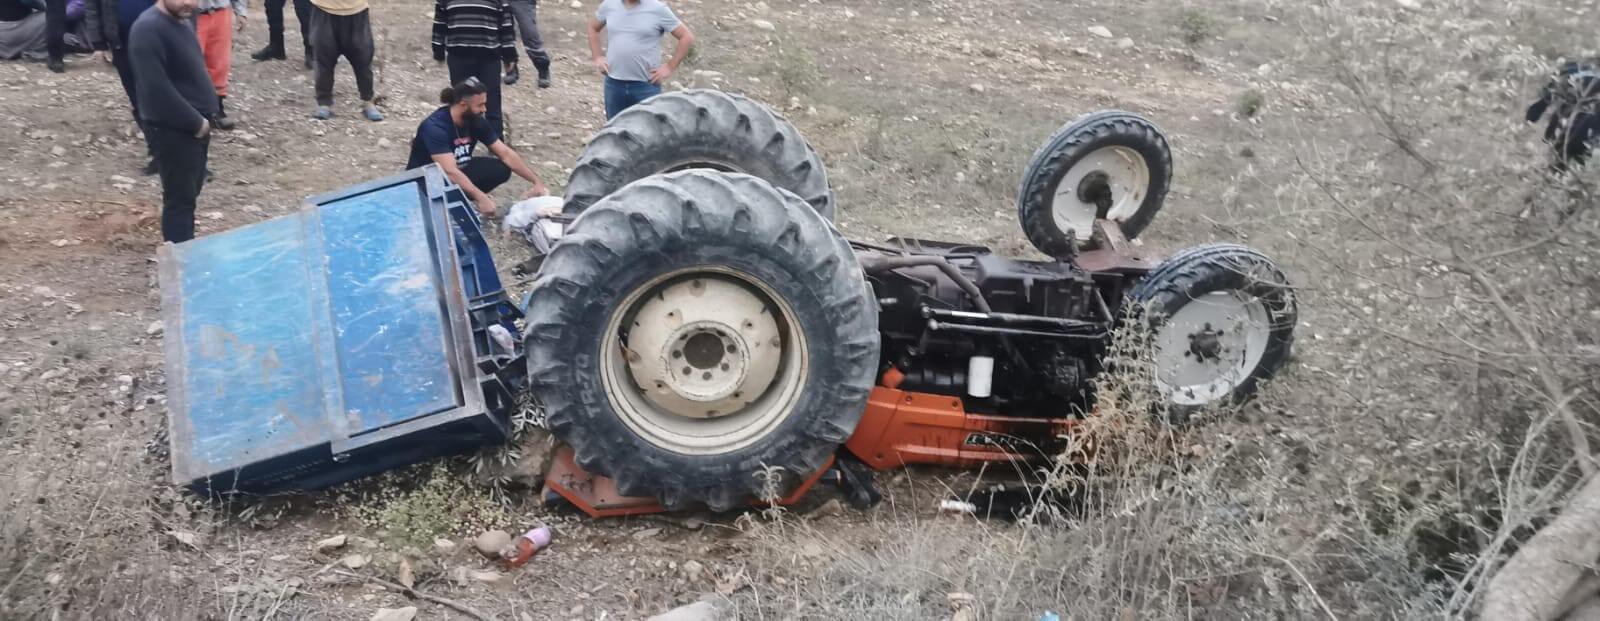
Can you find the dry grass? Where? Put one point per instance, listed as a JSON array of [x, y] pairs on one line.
[[86, 534]]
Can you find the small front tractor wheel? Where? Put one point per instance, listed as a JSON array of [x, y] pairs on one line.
[[1221, 319], [1107, 165], [704, 129], [696, 332]]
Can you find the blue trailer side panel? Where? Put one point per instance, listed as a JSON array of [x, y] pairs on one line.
[[394, 360], [250, 377]]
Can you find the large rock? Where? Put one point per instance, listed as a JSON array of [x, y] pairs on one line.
[[1100, 31], [698, 611]]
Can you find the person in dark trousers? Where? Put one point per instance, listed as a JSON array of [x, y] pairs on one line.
[[55, 24], [448, 136], [23, 31], [343, 28], [275, 49], [631, 62], [526, 13], [474, 38], [106, 26], [178, 102]]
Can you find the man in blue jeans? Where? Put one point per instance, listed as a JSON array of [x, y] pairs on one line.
[[631, 62]]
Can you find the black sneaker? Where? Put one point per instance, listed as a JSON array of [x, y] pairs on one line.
[[270, 53], [56, 65]]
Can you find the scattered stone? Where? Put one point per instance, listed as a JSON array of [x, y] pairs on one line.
[[647, 533], [762, 24], [330, 544], [1034, 63], [395, 614], [44, 292], [491, 542], [278, 558], [692, 570], [576, 4], [214, 215], [709, 75], [976, 88], [1125, 43], [124, 379], [58, 150], [155, 329], [551, 111], [1409, 4], [812, 549], [1100, 31], [444, 546], [1264, 70], [355, 561], [185, 538], [407, 578], [252, 209], [60, 243], [122, 180], [698, 611], [830, 508], [487, 577], [383, 143]]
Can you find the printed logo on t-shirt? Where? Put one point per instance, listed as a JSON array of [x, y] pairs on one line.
[[463, 150]]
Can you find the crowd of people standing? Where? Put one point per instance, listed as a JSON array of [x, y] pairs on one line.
[[174, 57]]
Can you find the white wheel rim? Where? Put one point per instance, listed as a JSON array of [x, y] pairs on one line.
[[744, 355], [1119, 170], [1210, 346]]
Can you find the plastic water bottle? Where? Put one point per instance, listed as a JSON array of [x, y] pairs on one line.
[[523, 548]]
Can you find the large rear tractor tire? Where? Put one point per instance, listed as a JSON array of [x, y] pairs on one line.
[[690, 129], [1221, 320], [1107, 165], [693, 330]]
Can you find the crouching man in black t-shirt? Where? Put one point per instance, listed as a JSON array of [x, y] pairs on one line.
[[448, 136]]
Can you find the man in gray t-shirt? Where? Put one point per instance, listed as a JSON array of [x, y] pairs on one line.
[[631, 62]]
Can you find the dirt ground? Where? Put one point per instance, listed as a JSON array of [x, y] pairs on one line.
[[924, 114]]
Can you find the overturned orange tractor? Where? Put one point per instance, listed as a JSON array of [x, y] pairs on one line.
[[700, 322]]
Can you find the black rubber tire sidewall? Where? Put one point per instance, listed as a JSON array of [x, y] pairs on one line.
[[833, 312], [1222, 267], [1070, 144]]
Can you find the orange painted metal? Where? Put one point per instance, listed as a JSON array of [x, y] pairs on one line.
[[901, 428], [598, 496]]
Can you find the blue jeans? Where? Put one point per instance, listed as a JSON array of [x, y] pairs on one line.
[[621, 94]]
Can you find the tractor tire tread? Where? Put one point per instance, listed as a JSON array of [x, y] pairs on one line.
[[1072, 141], [633, 235], [1215, 267], [700, 126]]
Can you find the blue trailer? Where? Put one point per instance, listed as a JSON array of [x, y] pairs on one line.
[[364, 332]]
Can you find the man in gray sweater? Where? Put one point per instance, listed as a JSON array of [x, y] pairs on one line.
[[178, 102]]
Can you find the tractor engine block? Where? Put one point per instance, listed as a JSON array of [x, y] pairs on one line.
[[1008, 336]]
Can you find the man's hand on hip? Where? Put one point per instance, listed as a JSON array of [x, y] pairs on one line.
[[660, 75]]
